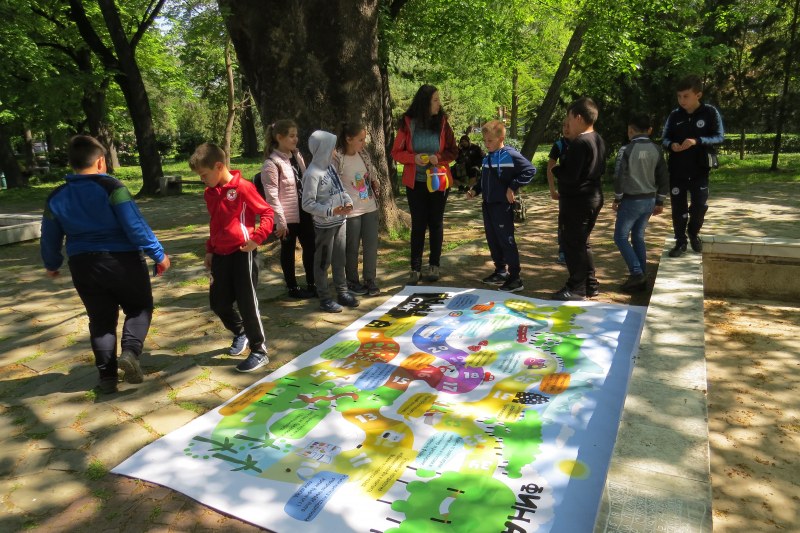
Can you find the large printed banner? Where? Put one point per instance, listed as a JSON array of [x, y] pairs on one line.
[[444, 410]]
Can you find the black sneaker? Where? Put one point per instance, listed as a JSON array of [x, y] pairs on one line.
[[697, 243], [347, 299], [634, 283], [678, 250], [239, 345], [300, 294], [433, 273], [356, 288], [329, 306], [591, 292], [107, 385], [372, 288], [254, 361], [496, 278], [566, 295], [129, 364], [512, 284]]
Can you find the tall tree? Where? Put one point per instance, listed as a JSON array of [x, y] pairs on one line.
[[316, 62], [121, 59], [788, 70]]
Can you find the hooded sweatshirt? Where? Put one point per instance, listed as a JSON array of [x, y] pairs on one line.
[[322, 188]]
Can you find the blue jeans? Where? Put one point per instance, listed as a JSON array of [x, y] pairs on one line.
[[632, 218]]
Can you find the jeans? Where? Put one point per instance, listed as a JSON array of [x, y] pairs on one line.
[[632, 218], [362, 231]]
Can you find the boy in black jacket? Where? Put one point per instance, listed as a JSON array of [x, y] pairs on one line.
[[690, 133], [580, 198]]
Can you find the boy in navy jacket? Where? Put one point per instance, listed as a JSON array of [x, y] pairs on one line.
[[107, 238], [503, 172]]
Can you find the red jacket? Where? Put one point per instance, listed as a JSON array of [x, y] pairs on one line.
[[233, 208], [403, 152]]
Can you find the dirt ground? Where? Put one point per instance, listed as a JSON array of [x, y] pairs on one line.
[[753, 364], [45, 366]]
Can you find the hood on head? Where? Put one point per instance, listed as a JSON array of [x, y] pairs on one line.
[[321, 143]]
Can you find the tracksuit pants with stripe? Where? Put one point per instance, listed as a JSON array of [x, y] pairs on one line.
[[233, 280], [498, 222]]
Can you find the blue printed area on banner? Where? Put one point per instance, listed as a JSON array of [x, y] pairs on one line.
[[307, 502]]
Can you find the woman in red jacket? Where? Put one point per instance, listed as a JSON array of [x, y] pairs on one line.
[[425, 142]]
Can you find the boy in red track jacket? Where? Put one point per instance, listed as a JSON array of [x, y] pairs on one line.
[[233, 204]]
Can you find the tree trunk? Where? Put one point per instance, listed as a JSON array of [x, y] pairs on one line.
[[514, 103], [8, 163], [787, 75], [742, 141], [316, 62], [248, 124], [30, 157], [535, 133], [132, 85], [226, 138]]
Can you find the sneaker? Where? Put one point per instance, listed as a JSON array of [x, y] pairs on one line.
[[561, 259], [678, 250], [347, 299], [697, 243], [592, 290], [254, 361], [634, 283], [300, 294], [433, 273], [496, 278], [329, 306], [129, 364], [372, 288], [512, 284], [239, 345], [413, 277], [107, 385], [566, 295], [356, 288]]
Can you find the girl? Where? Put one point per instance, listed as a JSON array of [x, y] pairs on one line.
[[357, 175], [281, 176], [424, 140], [325, 198]]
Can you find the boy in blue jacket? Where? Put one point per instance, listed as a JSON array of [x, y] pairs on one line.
[[503, 172], [107, 238]]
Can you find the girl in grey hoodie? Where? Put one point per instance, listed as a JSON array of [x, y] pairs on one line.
[[328, 202]]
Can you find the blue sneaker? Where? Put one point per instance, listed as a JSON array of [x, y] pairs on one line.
[[254, 361], [239, 345], [329, 306]]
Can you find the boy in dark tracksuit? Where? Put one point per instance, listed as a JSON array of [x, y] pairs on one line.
[[690, 133], [106, 237], [580, 198], [233, 203], [504, 171]]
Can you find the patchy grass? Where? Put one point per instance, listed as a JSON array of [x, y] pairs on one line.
[[38, 435], [96, 470], [192, 406], [195, 282], [31, 357]]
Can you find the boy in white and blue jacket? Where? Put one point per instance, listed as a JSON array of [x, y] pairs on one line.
[[324, 197], [504, 171]]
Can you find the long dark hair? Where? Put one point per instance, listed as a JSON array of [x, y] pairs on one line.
[[279, 127], [420, 110], [347, 129]]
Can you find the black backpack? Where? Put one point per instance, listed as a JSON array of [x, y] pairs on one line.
[[259, 185]]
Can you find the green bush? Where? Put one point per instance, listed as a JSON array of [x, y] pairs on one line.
[[760, 143]]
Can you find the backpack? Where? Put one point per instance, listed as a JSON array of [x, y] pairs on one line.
[[259, 185], [520, 211]]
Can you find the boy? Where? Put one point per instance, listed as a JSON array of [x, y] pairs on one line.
[[580, 198], [641, 182], [106, 237], [233, 203], [504, 171], [690, 133], [553, 158]]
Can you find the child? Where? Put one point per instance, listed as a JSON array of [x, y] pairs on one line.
[[641, 183], [690, 133], [325, 198], [106, 238], [504, 171], [580, 198], [556, 153], [424, 141], [281, 175], [355, 169], [233, 203]]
